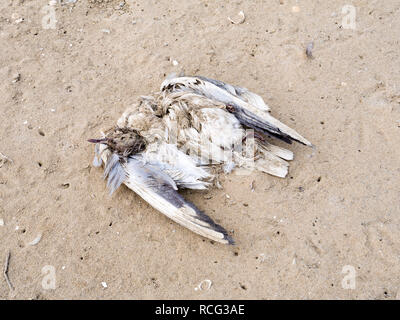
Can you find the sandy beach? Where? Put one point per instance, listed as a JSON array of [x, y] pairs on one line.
[[329, 230]]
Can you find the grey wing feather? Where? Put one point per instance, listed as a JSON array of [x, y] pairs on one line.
[[240, 92], [248, 112], [114, 173], [150, 184]]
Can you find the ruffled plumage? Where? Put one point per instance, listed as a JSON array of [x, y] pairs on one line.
[[192, 127]]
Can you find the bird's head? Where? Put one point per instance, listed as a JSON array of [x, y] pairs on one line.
[[122, 141]]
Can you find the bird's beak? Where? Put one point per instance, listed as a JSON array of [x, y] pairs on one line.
[[97, 140]]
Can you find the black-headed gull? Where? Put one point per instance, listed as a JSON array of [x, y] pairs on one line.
[[183, 136]]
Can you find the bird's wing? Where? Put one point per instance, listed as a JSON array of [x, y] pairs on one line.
[[240, 92], [159, 190], [247, 112], [113, 172], [151, 184], [183, 169]]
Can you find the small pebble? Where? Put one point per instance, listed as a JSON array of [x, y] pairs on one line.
[[105, 31], [104, 284], [1, 222], [241, 20], [309, 49], [175, 63], [16, 78], [35, 241], [295, 9]]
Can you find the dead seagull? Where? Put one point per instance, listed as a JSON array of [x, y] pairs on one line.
[[183, 137]]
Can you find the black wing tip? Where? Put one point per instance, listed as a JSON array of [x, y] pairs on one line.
[[285, 138], [216, 227], [230, 240], [227, 238], [309, 144]]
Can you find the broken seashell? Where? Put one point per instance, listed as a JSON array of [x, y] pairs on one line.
[[242, 18], [204, 285], [35, 241]]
